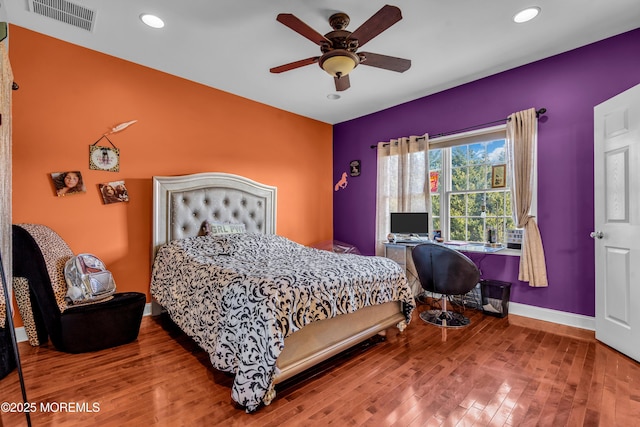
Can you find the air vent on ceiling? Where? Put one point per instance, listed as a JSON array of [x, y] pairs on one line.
[[64, 11]]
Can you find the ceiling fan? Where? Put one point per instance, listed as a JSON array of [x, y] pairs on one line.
[[340, 47]]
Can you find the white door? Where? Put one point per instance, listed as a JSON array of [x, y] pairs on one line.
[[617, 222]]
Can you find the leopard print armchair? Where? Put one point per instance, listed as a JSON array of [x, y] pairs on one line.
[[39, 256]]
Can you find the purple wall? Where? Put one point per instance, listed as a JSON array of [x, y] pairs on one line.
[[569, 86]]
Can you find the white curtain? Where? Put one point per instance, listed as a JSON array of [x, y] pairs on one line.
[[522, 135], [403, 184], [6, 82]]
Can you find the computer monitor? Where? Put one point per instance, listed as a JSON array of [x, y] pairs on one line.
[[410, 223]]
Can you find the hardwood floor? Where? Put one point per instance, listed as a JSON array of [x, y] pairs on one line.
[[499, 372]]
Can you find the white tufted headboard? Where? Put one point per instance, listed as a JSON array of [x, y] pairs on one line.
[[182, 203]]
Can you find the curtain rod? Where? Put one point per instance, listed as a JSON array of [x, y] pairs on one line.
[[539, 112]]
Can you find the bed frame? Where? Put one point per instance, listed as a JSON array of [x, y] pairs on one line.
[[183, 203]]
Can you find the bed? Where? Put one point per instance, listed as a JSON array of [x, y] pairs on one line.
[[260, 317]]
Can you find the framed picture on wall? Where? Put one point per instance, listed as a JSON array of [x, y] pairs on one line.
[[69, 182], [354, 167], [113, 192], [104, 158], [498, 176]]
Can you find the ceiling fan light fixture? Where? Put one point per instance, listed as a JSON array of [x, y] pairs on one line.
[[338, 62]]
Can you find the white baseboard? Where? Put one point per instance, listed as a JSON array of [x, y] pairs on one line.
[[21, 334], [546, 314], [554, 316]]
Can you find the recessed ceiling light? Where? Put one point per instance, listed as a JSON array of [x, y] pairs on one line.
[[333, 96], [152, 20], [526, 15]]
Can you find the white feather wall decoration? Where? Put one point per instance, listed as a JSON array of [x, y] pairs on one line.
[[120, 127]]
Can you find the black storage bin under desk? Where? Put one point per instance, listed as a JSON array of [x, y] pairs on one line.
[[495, 297]]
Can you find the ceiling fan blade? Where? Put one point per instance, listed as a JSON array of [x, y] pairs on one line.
[[296, 64], [303, 29], [342, 83], [380, 21], [387, 62]]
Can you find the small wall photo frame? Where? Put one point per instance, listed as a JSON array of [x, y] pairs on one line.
[[498, 176], [113, 192], [354, 167], [104, 158], [69, 182]]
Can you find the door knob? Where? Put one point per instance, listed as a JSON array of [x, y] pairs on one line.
[[596, 234]]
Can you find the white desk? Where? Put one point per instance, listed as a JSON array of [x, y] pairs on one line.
[[400, 252]]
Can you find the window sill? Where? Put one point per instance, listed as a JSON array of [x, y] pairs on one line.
[[509, 252], [505, 251]]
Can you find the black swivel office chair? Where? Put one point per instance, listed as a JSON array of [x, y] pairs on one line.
[[446, 272]]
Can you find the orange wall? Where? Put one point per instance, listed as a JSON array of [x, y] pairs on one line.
[[69, 96]]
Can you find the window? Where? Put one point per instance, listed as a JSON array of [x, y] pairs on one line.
[[461, 177], [464, 204]]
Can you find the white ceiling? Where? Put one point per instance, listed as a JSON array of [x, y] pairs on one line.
[[231, 44]]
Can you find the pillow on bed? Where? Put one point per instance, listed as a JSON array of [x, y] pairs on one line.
[[218, 228]]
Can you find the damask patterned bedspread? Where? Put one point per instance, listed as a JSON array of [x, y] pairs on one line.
[[240, 295]]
